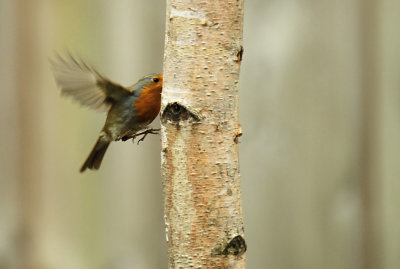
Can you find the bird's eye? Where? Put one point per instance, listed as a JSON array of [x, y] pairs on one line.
[[156, 80]]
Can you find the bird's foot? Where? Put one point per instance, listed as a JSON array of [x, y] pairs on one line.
[[132, 135], [144, 134], [126, 136]]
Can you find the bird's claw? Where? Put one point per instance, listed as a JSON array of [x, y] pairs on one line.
[[126, 136], [132, 136], [145, 133]]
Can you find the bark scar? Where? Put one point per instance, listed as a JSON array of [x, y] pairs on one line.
[[238, 134], [236, 246], [177, 112], [239, 54]]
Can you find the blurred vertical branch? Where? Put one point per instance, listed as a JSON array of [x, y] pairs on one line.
[[29, 126], [200, 164], [9, 150], [369, 154]]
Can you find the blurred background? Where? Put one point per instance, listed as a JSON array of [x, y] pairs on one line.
[[319, 104]]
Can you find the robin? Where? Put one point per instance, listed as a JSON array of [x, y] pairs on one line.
[[130, 109]]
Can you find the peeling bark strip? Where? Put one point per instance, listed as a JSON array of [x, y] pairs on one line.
[[199, 115]]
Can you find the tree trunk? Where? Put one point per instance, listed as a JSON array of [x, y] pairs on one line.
[[200, 130]]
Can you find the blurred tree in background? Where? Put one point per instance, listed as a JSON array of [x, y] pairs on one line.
[[319, 104]]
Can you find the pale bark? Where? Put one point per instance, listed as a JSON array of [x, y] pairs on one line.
[[203, 215]]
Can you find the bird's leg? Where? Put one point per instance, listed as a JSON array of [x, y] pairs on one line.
[[145, 133], [126, 136], [131, 134]]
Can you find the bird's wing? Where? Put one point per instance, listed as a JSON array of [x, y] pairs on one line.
[[86, 85]]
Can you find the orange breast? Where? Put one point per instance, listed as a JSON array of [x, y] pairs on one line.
[[147, 106]]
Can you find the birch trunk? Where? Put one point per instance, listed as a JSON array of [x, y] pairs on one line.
[[199, 114]]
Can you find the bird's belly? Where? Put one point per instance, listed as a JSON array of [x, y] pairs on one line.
[[122, 120]]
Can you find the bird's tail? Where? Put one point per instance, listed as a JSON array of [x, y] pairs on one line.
[[95, 157]]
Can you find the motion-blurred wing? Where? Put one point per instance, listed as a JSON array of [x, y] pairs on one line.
[[85, 85]]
